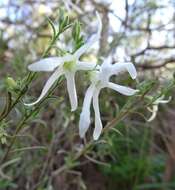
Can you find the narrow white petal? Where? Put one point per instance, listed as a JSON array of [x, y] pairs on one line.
[[154, 113], [98, 123], [82, 65], [70, 77], [48, 64], [165, 101], [149, 109], [92, 39], [120, 67], [85, 114], [122, 89], [47, 86], [155, 107]]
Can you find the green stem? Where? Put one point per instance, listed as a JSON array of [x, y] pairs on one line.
[[22, 123], [30, 78], [22, 93]]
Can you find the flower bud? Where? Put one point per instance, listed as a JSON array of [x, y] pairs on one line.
[[10, 83]]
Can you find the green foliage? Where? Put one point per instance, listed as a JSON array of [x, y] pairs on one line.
[[64, 21], [10, 84], [129, 160], [76, 34], [124, 153], [3, 133], [4, 184]]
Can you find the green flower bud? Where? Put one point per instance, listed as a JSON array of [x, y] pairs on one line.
[[10, 83], [3, 140]]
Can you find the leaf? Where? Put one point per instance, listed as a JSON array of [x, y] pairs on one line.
[[52, 26]]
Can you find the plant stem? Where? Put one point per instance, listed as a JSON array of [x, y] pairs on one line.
[[30, 78], [22, 93], [22, 123]]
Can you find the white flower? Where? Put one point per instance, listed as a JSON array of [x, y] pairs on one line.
[[99, 80], [66, 65], [155, 106]]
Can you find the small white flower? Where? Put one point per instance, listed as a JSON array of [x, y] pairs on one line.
[[155, 106], [99, 80], [66, 65]]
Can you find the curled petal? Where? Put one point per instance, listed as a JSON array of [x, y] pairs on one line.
[[48, 64], [122, 89], [165, 101], [120, 67], [92, 40], [154, 113], [161, 100], [70, 77], [149, 109], [85, 114], [98, 123], [47, 86], [82, 65], [155, 107]]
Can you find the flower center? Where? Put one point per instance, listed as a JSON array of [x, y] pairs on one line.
[[70, 65], [94, 77]]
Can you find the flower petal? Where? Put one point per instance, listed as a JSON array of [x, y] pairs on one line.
[[70, 77], [48, 64], [92, 40], [85, 114], [120, 67], [48, 85], [154, 113], [161, 100], [98, 123], [165, 101], [82, 65], [122, 89]]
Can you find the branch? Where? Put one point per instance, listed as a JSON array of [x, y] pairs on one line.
[[156, 48], [147, 66]]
